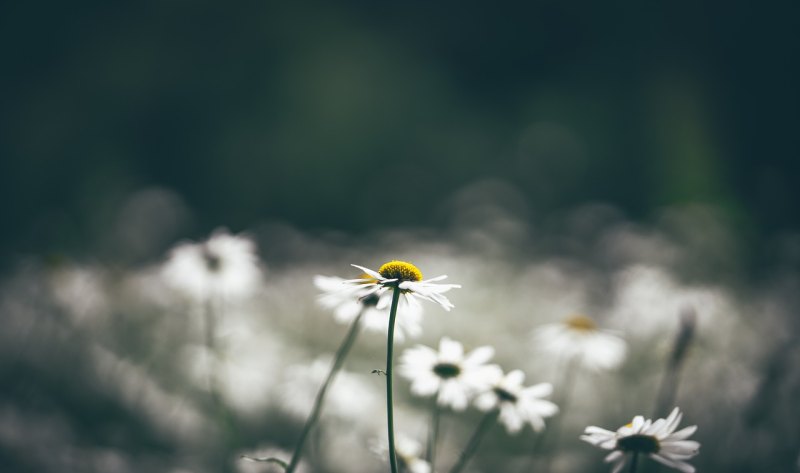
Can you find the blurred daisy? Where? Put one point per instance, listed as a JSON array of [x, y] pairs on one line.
[[408, 278], [658, 440], [456, 377], [297, 394], [409, 454], [518, 404], [578, 338], [225, 265], [348, 300]]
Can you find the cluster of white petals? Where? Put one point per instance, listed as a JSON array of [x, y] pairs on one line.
[[450, 374], [348, 300], [577, 338], [518, 404], [656, 439], [224, 266]]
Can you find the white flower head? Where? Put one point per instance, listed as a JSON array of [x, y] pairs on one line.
[[518, 404], [408, 279], [348, 300], [409, 454], [224, 266], [578, 338], [297, 394], [658, 440], [455, 376]]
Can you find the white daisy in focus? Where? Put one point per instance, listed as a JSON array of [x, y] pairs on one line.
[[224, 266], [409, 454], [408, 278], [658, 440], [456, 377], [518, 404], [578, 338], [348, 300]]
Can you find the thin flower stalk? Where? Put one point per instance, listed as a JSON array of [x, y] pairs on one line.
[[389, 396], [474, 442], [316, 410]]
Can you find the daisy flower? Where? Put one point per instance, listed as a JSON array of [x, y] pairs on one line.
[[518, 404], [578, 338], [409, 454], [456, 377], [348, 300], [225, 265], [658, 440], [408, 278]]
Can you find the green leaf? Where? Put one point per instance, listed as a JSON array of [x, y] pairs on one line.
[[274, 460]]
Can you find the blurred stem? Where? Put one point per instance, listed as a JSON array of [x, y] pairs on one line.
[[225, 418], [433, 435], [472, 446], [634, 460], [316, 410], [389, 400], [565, 387], [669, 382]]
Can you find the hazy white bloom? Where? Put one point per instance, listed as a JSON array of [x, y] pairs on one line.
[[456, 377], [658, 440], [578, 338], [225, 265], [348, 300], [408, 278], [348, 396], [409, 454], [83, 291], [518, 404]]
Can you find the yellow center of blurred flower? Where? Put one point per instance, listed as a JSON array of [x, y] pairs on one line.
[[401, 271], [581, 323]]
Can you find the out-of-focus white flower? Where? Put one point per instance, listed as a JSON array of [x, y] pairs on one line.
[[456, 377], [408, 279], [658, 440], [224, 266], [409, 454], [348, 396], [81, 290], [348, 300], [518, 404], [578, 338]]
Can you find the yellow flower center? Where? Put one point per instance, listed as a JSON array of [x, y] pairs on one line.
[[401, 271], [581, 323]]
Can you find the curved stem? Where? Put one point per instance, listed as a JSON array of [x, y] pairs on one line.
[[338, 360], [472, 446], [389, 400]]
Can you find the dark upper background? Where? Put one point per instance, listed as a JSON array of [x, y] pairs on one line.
[[356, 115]]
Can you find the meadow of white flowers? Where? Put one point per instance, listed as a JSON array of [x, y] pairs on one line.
[[209, 355]]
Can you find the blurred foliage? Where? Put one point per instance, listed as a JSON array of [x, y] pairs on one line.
[[311, 112]]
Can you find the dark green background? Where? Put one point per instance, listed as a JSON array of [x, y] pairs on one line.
[[357, 115]]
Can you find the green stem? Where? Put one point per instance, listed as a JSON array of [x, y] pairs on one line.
[[338, 360], [472, 446], [389, 401], [433, 436], [634, 460], [553, 433]]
